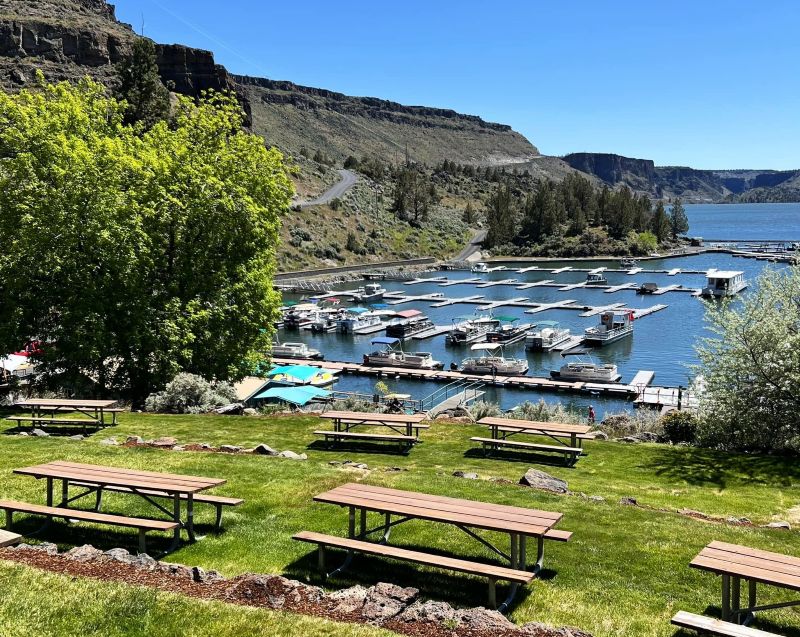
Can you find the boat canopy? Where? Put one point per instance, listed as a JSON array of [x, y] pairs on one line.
[[486, 347], [296, 395], [300, 372], [379, 306], [384, 340], [305, 307], [577, 351], [357, 310], [409, 313], [506, 319], [546, 323], [13, 362]]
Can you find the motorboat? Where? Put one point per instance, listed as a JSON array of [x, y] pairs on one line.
[[585, 370], [647, 288], [296, 350], [295, 319], [480, 268], [325, 322], [468, 329], [596, 278], [410, 322], [724, 283], [546, 335], [491, 360], [629, 263], [394, 356], [613, 327], [509, 332], [294, 375], [357, 318], [370, 292]]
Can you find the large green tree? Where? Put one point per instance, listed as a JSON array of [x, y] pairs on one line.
[[134, 254], [146, 98], [750, 369], [660, 223], [678, 221]]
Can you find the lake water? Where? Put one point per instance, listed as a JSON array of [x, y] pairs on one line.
[[663, 342]]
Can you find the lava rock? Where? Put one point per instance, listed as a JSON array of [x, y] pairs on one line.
[[176, 570], [230, 448], [430, 611], [40, 433], [779, 525], [541, 480], [348, 600], [484, 620], [384, 601], [264, 450], [628, 501], [109, 441], [164, 441], [249, 411], [134, 440], [292, 455], [600, 435], [85, 553], [76, 438], [234, 409], [465, 474]]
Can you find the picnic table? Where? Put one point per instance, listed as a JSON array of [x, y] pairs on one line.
[[46, 412], [502, 429], [469, 516], [93, 479], [736, 565], [405, 428]]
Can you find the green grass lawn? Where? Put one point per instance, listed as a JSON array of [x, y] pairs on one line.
[[625, 572]]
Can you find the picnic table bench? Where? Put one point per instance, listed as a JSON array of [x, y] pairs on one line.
[[405, 428], [148, 485], [48, 412], [503, 428], [737, 564], [467, 515]]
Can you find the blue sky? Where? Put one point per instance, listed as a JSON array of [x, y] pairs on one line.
[[706, 83]]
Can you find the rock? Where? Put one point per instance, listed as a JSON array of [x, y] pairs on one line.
[[179, 448], [739, 521], [264, 450], [384, 601], [230, 448], [109, 441], [354, 465], [205, 577], [176, 570], [40, 433], [694, 514], [24, 433], [628, 439], [143, 561], [45, 547], [76, 438], [272, 590], [85, 553], [164, 441], [597, 498], [535, 629], [249, 411], [628, 501], [485, 620], [430, 611], [119, 555], [292, 455], [541, 480], [779, 525], [18, 77], [465, 474], [348, 600], [134, 440], [234, 409], [600, 435], [646, 436]]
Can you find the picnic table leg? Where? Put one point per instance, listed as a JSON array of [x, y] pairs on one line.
[[176, 517], [190, 517], [736, 588], [515, 551], [751, 602], [363, 528], [49, 492], [64, 493], [726, 597]]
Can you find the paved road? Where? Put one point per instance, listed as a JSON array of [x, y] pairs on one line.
[[472, 247], [347, 181]]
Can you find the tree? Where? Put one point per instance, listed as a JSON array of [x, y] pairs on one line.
[[678, 221], [660, 223], [135, 255], [500, 217], [751, 368], [140, 85], [470, 217], [414, 194]]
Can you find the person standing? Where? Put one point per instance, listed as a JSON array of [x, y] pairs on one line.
[[591, 414]]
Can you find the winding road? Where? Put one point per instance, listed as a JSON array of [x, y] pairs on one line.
[[347, 181]]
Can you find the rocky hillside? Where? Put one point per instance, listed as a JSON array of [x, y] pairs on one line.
[[692, 185]]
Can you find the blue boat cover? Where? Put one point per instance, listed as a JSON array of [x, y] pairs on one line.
[[300, 372], [296, 395], [384, 340]]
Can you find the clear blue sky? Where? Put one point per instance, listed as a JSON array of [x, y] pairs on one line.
[[704, 83]]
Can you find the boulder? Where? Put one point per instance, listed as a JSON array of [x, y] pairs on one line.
[[76, 438], [231, 448], [164, 441], [292, 455], [45, 547], [384, 601], [249, 411], [646, 436], [779, 525], [85, 553], [485, 620], [541, 480], [40, 433], [430, 611], [234, 409], [264, 450], [629, 439], [134, 440], [205, 577], [119, 555], [272, 590], [465, 474], [355, 465], [597, 498], [348, 600], [109, 441], [143, 561], [600, 435], [627, 501], [176, 570]]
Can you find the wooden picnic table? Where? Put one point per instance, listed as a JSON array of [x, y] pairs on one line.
[[502, 428], [737, 564], [467, 515], [145, 484], [46, 411], [406, 424]]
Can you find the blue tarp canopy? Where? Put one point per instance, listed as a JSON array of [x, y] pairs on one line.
[[296, 395], [300, 372], [357, 310], [384, 340]]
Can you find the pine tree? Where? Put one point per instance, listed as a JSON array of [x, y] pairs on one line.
[[678, 221], [660, 223], [141, 87], [470, 216]]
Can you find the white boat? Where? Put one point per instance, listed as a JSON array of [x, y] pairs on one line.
[[394, 356], [296, 350], [480, 268], [546, 335], [470, 330], [371, 292], [629, 263], [294, 320], [508, 333], [410, 322], [492, 361], [325, 321], [724, 283], [586, 370], [596, 278], [613, 326], [354, 320]]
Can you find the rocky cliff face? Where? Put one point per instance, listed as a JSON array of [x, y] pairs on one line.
[[612, 168]]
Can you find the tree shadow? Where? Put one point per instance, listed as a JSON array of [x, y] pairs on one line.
[[518, 456], [760, 623], [360, 446]]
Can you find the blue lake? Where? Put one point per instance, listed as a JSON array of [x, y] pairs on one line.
[[663, 342]]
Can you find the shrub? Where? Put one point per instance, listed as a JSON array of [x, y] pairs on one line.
[[190, 394], [336, 203], [352, 403], [482, 409], [542, 412], [679, 426], [631, 423]]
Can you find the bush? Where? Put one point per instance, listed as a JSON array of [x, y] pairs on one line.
[[630, 423], [482, 409], [679, 426], [190, 394], [542, 412]]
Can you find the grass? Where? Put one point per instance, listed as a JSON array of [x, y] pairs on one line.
[[624, 573]]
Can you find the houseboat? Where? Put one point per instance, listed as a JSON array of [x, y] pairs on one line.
[[596, 278], [491, 360], [394, 356], [410, 322], [468, 330], [724, 283], [296, 350], [629, 263], [647, 288], [509, 332], [585, 370], [355, 319], [545, 336], [370, 293], [613, 327], [480, 268]]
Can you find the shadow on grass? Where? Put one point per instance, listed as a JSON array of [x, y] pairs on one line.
[[707, 467], [61, 430], [458, 589], [386, 448], [761, 623], [518, 456]]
